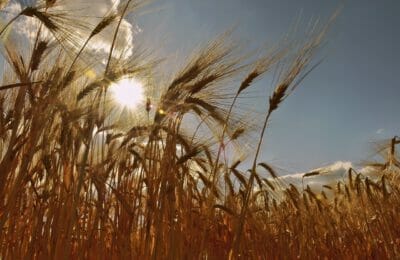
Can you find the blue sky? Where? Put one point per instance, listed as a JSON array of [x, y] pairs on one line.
[[349, 101]]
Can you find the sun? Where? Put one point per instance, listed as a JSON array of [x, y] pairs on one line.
[[128, 92]]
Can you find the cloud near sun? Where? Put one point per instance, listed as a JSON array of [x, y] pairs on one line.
[[88, 13]]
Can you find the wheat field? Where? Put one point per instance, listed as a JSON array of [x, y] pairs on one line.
[[80, 179]]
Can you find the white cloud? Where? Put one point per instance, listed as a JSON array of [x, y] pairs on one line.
[[380, 131], [93, 11], [328, 175], [88, 13]]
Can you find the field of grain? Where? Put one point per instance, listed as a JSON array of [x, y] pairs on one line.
[[80, 179]]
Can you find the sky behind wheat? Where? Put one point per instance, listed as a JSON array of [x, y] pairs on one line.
[[349, 101]]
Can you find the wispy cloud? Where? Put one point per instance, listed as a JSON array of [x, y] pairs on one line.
[[380, 131], [328, 176], [85, 12]]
